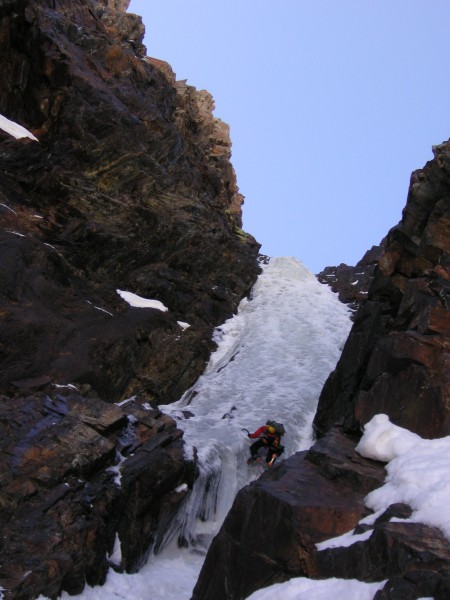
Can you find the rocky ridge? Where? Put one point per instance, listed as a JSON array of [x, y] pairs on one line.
[[396, 361], [352, 283], [129, 187]]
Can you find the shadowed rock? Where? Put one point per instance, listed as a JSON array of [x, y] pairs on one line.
[[75, 475], [353, 283], [270, 533], [130, 187], [413, 557], [397, 357]]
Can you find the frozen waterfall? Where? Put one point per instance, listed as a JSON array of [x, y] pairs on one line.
[[272, 360]]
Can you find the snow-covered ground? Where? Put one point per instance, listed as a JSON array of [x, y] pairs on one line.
[[302, 588], [271, 362], [418, 472]]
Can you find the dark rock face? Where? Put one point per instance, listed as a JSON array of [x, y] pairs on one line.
[[396, 361], [412, 557], [130, 187], [270, 533], [352, 283], [62, 504], [397, 357]]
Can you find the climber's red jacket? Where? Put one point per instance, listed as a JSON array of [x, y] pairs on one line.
[[271, 439]]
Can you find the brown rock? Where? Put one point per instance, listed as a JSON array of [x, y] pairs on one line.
[[397, 357], [130, 187], [352, 283], [61, 506], [411, 556], [270, 533]]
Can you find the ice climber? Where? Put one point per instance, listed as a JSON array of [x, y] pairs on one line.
[[268, 437]]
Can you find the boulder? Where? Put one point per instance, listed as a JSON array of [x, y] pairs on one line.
[[78, 479], [412, 557], [269, 536]]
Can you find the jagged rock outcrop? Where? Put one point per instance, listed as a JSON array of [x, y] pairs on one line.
[[270, 533], [396, 361], [352, 283], [397, 357], [65, 497], [129, 187]]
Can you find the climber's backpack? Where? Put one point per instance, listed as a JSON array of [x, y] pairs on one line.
[[279, 427]]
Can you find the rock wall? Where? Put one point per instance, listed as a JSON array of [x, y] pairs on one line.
[[70, 509], [396, 361], [352, 283], [397, 357], [129, 187]]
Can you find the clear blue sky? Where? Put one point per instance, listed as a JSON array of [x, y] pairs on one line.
[[331, 104]]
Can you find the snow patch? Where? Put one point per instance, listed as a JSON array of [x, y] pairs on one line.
[[139, 302], [15, 129], [13, 211], [345, 540], [130, 399], [384, 441], [16, 233], [301, 588], [181, 488], [418, 472], [65, 385]]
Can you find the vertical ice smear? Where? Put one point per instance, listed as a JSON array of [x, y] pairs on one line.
[[115, 557], [271, 362]]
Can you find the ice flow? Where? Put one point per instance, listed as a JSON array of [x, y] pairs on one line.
[[272, 360]]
